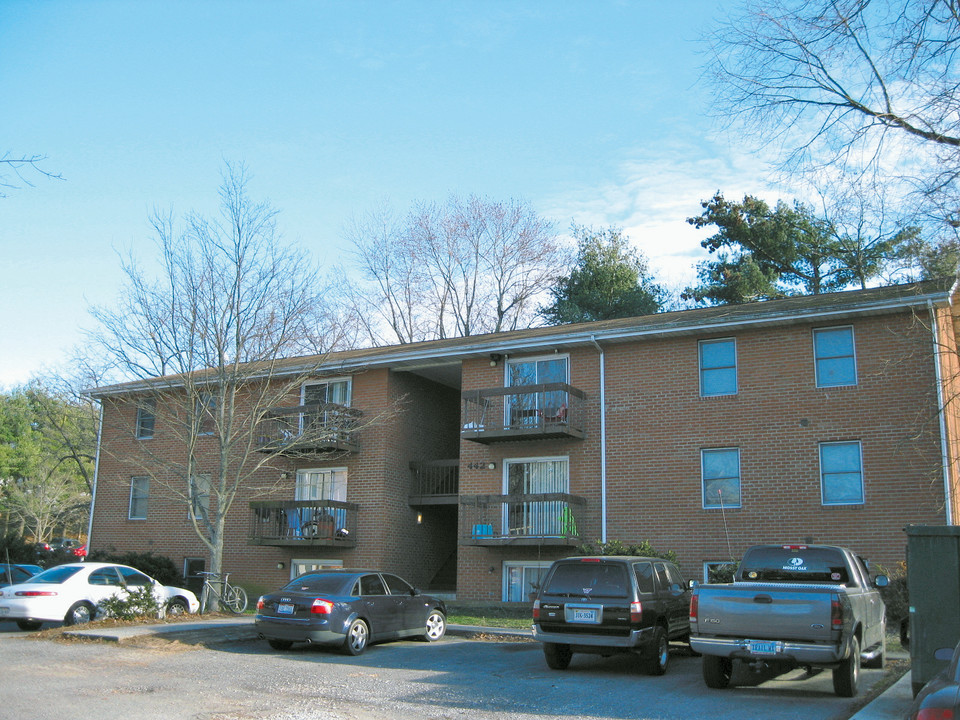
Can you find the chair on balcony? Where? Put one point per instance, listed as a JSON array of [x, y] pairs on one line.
[[555, 416]]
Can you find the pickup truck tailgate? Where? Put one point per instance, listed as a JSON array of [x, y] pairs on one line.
[[801, 612]]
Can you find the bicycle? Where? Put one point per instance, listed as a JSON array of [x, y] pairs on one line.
[[231, 597]]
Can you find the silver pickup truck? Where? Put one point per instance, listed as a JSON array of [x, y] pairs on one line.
[[792, 606]]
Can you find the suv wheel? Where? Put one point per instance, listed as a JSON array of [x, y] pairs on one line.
[[557, 656], [657, 664]]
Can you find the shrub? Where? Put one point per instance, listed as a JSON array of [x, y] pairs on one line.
[[18, 551], [895, 595], [137, 603], [161, 569], [616, 547]]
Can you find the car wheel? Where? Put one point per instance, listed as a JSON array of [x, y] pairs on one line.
[[557, 656], [717, 671], [29, 624], [177, 606], [657, 664], [436, 626], [279, 644], [79, 613], [357, 636], [846, 677]]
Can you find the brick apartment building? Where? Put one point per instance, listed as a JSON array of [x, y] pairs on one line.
[[827, 419]]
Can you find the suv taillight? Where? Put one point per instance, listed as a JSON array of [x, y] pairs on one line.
[[694, 607], [536, 609], [321, 607], [636, 612]]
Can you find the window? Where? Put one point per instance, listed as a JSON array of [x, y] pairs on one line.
[[299, 567], [520, 579], [139, 495], [538, 518], [720, 471], [718, 367], [206, 413], [146, 418], [134, 578], [372, 585], [719, 571], [841, 473], [319, 484], [528, 408], [397, 586], [836, 362], [200, 497], [324, 397]]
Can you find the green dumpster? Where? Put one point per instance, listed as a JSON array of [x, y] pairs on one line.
[[933, 583]]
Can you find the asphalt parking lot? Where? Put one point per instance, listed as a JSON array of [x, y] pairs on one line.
[[454, 678]]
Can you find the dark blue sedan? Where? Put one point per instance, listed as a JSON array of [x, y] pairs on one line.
[[349, 609], [14, 574], [940, 698]]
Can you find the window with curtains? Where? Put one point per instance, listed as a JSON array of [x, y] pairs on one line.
[[720, 475], [139, 496], [537, 518]]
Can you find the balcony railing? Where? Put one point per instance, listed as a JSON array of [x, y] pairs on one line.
[[435, 483], [531, 519], [303, 523], [307, 429], [523, 412]]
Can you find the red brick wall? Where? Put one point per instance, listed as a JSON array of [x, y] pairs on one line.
[[657, 424]]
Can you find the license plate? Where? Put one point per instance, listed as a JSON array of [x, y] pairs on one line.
[[584, 615], [763, 647], [4, 611], [285, 609]]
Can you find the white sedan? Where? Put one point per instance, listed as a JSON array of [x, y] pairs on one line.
[[72, 594]]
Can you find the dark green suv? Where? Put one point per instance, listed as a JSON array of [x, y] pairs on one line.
[[611, 604]]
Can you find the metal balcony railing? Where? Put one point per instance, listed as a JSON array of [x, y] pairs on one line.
[[304, 429], [303, 523], [525, 519], [523, 412], [436, 482]]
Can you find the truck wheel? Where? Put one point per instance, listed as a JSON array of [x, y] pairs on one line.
[[717, 671], [657, 663], [557, 656], [846, 676]]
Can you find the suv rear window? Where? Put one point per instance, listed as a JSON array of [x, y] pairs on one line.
[[798, 565], [589, 578]]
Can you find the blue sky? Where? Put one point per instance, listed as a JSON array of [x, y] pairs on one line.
[[590, 111]]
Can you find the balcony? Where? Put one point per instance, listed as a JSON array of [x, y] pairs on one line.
[[303, 523], [435, 483], [531, 519], [523, 412], [310, 429]]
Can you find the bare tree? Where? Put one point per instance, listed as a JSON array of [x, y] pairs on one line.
[[203, 352], [18, 167], [867, 85], [461, 268]]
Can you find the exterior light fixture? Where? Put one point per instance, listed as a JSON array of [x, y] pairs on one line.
[[419, 518], [280, 565], [494, 359], [491, 465]]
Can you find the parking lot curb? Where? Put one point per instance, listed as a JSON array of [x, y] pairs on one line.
[[217, 630]]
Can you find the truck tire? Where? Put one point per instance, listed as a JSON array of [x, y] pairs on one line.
[[846, 677], [657, 662], [717, 671], [557, 656]]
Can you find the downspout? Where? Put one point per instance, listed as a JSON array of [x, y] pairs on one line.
[[941, 411], [603, 441], [96, 475]]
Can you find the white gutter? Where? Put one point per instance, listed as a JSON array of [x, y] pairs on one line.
[[96, 476], [496, 342], [603, 441], [941, 412]]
